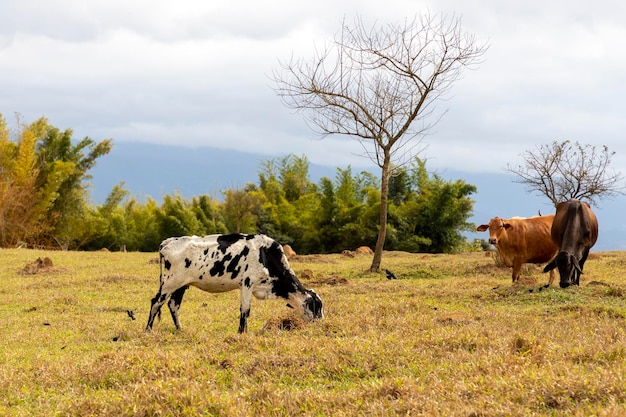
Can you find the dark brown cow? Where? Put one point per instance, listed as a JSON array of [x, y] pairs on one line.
[[522, 240], [574, 231]]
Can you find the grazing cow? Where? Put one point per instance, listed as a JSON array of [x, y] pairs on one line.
[[255, 264], [522, 240], [574, 231]]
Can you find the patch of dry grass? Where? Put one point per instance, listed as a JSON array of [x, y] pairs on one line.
[[450, 337]]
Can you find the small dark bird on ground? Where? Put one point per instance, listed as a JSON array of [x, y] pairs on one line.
[[390, 274], [131, 314]]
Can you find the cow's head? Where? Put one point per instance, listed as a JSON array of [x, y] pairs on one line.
[[308, 304], [312, 306], [497, 227], [569, 268]]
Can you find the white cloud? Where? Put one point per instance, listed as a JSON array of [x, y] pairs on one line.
[[196, 72]]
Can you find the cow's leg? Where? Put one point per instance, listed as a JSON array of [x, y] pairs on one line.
[[551, 279], [583, 259], [581, 263], [155, 308], [517, 267], [175, 302], [244, 309]]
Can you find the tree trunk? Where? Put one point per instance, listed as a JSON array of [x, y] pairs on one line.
[[382, 225]]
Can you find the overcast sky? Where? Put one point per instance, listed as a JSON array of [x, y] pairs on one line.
[[196, 72]]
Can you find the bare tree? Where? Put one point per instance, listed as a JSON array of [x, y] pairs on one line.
[[565, 170], [378, 84]]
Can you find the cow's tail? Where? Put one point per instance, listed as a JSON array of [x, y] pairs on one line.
[[161, 257]]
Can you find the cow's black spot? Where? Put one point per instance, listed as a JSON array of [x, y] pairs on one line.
[[206, 251], [200, 277], [286, 282], [224, 241], [168, 264], [233, 270], [271, 258], [187, 262], [246, 282], [233, 267], [220, 266]]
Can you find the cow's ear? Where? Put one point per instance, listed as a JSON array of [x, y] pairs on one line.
[[577, 264], [482, 228], [551, 265], [507, 225]]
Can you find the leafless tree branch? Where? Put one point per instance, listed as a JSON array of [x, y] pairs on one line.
[[565, 170], [379, 83]]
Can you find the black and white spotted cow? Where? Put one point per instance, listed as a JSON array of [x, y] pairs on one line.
[[255, 264]]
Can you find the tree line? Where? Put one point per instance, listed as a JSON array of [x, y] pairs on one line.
[[44, 202]]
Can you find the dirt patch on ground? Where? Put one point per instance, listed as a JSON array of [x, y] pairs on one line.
[[332, 280], [322, 259], [307, 275], [285, 323], [40, 265], [289, 252], [364, 250]]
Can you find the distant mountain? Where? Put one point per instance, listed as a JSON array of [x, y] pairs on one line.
[[157, 170]]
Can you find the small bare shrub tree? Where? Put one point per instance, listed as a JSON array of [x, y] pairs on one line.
[[378, 84], [565, 170]]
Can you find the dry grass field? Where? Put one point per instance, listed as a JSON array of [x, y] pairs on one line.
[[450, 337]]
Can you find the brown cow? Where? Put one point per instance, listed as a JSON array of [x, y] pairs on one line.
[[522, 240], [574, 231]]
